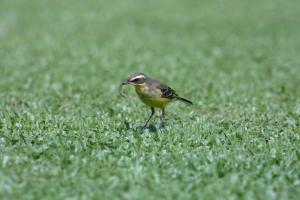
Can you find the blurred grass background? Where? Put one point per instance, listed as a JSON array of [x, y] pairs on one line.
[[65, 133]]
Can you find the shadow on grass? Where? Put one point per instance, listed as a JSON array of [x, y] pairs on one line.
[[151, 128]]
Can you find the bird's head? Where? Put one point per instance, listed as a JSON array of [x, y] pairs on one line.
[[136, 78]]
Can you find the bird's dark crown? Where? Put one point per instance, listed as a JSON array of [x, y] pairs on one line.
[[136, 74]]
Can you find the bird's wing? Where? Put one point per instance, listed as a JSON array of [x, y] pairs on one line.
[[166, 91]]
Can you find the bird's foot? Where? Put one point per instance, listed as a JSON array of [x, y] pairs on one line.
[[150, 128], [162, 126]]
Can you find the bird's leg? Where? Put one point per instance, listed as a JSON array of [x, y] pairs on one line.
[[152, 113], [162, 117]]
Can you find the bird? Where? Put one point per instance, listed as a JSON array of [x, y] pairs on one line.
[[153, 93]]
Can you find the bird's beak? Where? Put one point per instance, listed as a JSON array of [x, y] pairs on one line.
[[126, 82]]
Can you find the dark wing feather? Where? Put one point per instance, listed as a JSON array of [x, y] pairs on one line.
[[167, 92]]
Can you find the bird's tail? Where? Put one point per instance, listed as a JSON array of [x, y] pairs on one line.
[[184, 100]]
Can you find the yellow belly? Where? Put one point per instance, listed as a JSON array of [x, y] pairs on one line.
[[151, 97]]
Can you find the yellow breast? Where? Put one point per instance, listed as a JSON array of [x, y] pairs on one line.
[[151, 96]]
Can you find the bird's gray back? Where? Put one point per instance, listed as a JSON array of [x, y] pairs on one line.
[[166, 91]]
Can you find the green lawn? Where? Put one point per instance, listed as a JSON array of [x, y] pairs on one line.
[[66, 134]]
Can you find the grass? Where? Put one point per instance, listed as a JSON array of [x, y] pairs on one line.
[[66, 134]]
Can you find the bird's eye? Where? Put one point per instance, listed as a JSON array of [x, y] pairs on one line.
[[136, 80]]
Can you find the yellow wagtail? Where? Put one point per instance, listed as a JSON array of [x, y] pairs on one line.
[[152, 93]]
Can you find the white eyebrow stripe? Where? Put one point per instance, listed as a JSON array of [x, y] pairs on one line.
[[136, 77]]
